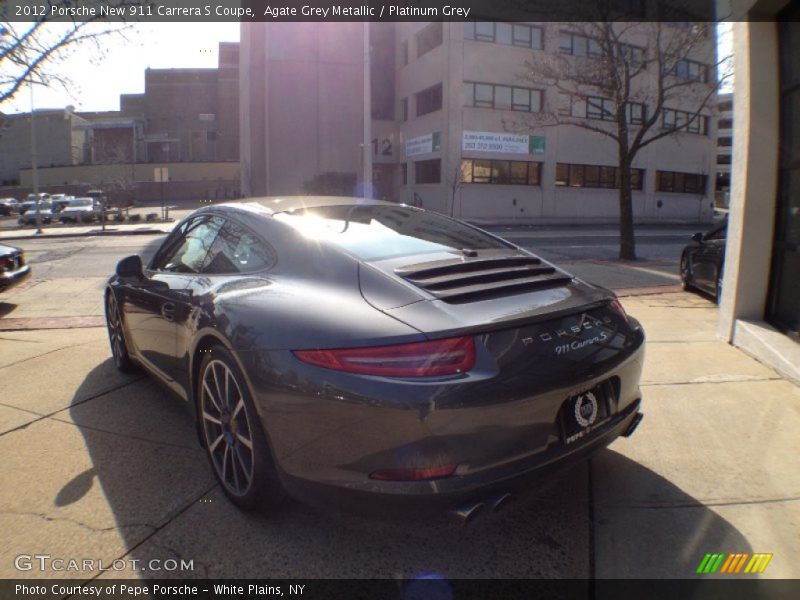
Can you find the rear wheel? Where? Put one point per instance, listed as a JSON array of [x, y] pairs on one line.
[[232, 434], [116, 336]]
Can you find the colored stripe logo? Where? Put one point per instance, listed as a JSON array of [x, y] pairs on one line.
[[734, 563]]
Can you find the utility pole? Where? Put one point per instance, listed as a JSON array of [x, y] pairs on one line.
[[367, 155], [34, 173]]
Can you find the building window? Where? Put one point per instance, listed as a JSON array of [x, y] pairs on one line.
[[404, 171], [726, 106], [428, 171], [594, 176], [725, 124], [429, 100], [502, 97], [605, 109], [404, 109], [516, 34], [429, 38], [404, 52], [501, 172], [680, 119], [576, 44], [723, 159], [690, 70], [725, 141], [680, 183]]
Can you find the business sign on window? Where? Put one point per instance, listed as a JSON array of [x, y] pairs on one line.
[[502, 143], [424, 144]]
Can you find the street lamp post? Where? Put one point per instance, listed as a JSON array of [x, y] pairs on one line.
[[34, 160]]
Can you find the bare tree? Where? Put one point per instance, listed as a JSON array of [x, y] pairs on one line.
[[29, 50], [454, 181], [632, 82], [118, 174]]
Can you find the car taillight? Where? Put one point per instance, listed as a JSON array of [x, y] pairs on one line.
[[423, 474], [617, 307], [419, 359]]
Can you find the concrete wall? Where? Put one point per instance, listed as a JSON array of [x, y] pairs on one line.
[[58, 141]]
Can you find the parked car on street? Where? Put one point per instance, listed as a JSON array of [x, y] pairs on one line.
[[338, 349], [13, 267], [31, 201], [81, 210], [29, 216], [59, 202], [8, 206], [702, 261]]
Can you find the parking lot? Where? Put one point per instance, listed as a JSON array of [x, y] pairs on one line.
[[105, 466]]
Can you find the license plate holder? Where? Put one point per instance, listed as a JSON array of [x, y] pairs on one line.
[[582, 413]]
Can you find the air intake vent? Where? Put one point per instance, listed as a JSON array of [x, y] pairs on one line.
[[458, 281]]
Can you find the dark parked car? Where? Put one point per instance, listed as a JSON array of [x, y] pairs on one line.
[[13, 267], [702, 261], [342, 349]]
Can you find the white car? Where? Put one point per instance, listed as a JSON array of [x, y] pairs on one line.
[[81, 210]]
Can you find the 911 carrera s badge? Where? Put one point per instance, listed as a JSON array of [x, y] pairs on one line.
[[586, 409]]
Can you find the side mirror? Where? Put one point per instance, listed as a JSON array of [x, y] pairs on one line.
[[130, 266], [698, 237]]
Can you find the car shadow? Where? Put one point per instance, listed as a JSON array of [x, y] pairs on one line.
[[144, 455], [6, 308]]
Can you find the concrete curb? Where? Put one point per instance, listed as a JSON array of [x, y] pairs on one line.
[[43, 236]]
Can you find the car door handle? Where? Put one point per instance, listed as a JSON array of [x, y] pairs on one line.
[[168, 310]]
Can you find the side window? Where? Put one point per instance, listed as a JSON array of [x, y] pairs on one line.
[[187, 253], [236, 250]]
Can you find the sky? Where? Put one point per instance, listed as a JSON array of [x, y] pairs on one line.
[[99, 80]]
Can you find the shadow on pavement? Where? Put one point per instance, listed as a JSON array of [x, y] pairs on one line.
[[145, 456], [6, 308]]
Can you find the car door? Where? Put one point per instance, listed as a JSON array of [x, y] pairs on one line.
[[153, 305]]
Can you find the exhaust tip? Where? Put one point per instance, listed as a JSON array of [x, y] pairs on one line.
[[499, 502], [467, 513], [634, 424]]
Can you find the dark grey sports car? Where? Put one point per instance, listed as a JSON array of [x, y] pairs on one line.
[[342, 349]]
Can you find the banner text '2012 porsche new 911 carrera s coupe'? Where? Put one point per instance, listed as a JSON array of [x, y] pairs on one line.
[[340, 349]]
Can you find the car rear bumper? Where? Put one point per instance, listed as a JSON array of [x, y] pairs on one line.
[[446, 493], [327, 438], [11, 278]]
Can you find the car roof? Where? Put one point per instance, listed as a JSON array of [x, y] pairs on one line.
[[272, 205]]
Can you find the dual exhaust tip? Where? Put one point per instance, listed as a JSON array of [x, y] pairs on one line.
[[468, 512]]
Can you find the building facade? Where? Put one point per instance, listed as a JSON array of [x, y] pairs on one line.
[[760, 308], [724, 148], [450, 127], [187, 121]]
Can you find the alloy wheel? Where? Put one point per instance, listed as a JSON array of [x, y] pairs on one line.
[[227, 428], [115, 333]]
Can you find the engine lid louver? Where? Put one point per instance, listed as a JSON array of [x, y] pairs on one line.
[[459, 280]]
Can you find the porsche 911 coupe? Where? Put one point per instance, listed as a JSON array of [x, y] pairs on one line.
[[347, 351]]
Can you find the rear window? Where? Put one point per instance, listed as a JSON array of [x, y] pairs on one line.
[[376, 232]]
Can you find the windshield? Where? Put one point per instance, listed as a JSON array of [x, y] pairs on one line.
[[375, 232], [81, 202]]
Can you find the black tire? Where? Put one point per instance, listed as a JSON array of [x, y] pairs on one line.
[[685, 272], [231, 433], [116, 336]]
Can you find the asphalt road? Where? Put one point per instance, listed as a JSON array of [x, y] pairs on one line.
[[589, 253]]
